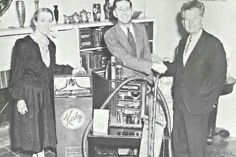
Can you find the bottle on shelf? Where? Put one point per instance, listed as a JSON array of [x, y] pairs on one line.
[[56, 13], [96, 12], [107, 10]]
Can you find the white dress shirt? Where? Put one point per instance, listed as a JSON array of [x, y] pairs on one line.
[[126, 31], [194, 40]]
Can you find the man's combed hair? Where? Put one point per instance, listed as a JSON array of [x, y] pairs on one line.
[[193, 4], [115, 1]]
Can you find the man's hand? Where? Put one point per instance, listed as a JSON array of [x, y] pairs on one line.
[[78, 70], [21, 107], [159, 67]]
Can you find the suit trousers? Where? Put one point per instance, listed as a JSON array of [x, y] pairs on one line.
[[189, 133]]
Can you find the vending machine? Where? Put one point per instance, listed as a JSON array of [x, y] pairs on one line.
[[73, 112]]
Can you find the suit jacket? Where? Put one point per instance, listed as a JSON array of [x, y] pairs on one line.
[[118, 44], [199, 83]]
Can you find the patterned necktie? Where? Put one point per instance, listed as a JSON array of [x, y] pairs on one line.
[[132, 42], [187, 45]]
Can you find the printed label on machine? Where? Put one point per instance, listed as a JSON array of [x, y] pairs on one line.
[[73, 118]]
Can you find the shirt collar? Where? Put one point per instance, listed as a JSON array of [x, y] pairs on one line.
[[124, 28]]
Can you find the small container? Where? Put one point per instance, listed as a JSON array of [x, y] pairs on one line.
[[56, 13], [96, 12], [107, 10]]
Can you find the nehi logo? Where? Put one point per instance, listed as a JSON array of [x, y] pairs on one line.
[[73, 118]]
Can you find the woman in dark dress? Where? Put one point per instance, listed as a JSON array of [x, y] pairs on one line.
[[31, 86]]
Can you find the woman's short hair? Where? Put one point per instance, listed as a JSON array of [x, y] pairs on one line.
[[36, 13], [193, 4], [115, 1]]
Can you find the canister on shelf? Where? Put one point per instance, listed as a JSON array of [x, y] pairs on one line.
[[96, 12]]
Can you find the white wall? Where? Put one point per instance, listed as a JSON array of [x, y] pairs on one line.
[[65, 7], [220, 20]]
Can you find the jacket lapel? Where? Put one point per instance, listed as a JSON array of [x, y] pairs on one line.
[[123, 38], [139, 41], [196, 50], [181, 50]]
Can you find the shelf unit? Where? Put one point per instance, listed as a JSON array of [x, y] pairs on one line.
[[67, 41], [94, 54], [10, 31]]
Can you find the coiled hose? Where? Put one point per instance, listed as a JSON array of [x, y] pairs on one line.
[[157, 93]]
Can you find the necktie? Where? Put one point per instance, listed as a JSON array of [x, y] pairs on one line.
[[187, 45], [132, 42]]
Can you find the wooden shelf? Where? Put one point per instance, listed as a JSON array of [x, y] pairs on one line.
[[11, 31], [62, 27]]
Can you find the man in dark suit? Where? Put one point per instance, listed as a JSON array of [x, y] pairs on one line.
[[199, 71], [128, 42]]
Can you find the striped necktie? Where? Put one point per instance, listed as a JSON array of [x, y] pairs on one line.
[[187, 45], [132, 42]]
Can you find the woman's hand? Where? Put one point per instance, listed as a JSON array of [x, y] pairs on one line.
[[78, 70], [21, 107]]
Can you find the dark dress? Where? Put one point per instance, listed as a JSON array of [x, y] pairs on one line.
[[32, 81]]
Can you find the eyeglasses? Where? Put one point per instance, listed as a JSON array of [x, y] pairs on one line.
[[123, 9]]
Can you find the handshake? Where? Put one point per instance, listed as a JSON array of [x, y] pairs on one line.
[[158, 65]]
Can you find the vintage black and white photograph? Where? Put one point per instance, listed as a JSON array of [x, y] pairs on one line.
[[117, 78]]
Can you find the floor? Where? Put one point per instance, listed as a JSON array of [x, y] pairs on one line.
[[221, 147], [6, 152]]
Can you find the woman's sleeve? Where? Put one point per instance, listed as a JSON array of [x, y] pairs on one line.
[[59, 69], [63, 69], [17, 71]]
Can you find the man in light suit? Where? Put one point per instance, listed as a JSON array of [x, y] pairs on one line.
[[199, 71], [135, 56]]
